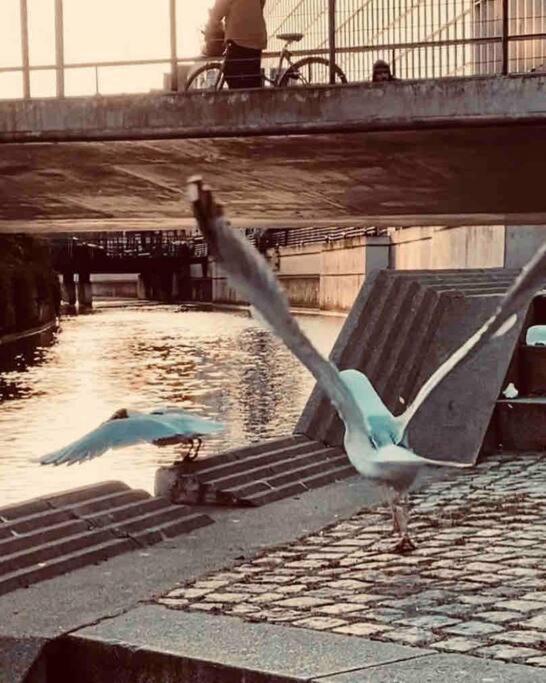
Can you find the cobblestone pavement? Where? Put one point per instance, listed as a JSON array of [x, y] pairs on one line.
[[475, 585]]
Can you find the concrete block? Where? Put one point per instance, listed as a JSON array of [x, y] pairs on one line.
[[453, 421], [156, 644], [533, 370], [521, 423], [19, 660], [403, 326]]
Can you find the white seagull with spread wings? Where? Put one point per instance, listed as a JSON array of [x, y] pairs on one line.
[[375, 441], [160, 426]]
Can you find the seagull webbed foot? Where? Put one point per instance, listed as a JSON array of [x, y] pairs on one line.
[[191, 454], [193, 451], [403, 546]]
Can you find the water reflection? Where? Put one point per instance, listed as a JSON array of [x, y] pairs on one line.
[[221, 365]]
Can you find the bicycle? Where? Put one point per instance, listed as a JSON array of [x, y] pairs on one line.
[[210, 76]]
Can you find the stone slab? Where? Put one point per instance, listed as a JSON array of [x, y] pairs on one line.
[[17, 657], [156, 644], [452, 423], [443, 669]]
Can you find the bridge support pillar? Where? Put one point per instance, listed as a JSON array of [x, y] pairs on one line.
[[175, 287], [85, 295], [143, 287], [69, 291]]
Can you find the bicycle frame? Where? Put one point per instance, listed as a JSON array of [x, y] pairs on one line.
[[285, 55]]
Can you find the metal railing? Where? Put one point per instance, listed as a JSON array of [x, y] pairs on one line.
[[172, 244], [418, 38], [272, 238]]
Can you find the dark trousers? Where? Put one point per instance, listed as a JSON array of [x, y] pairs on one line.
[[242, 66]]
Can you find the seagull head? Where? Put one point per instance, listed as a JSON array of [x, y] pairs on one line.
[[121, 414]]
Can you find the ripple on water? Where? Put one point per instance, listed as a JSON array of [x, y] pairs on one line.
[[217, 364]]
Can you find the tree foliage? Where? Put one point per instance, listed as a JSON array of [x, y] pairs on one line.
[[29, 287]]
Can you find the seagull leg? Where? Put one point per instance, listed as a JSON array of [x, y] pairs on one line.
[[187, 455], [390, 495], [401, 514], [194, 450]]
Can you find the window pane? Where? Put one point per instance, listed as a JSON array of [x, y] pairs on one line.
[[41, 32], [10, 33], [115, 30]]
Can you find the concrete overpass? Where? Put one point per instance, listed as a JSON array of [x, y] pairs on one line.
[[448, 151]]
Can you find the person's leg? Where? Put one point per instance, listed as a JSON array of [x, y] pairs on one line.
[[242, 67], [252, 77]]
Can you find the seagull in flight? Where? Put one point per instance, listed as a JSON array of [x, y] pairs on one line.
[[375, 441], [159, 426]]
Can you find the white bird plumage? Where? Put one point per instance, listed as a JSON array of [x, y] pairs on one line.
[[375, 440], [536, 335], [511, 391], [159, 426]]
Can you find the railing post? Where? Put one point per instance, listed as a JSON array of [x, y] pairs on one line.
[[505, 39], [59, 47], [332, 39], [174, 61], [24, 49]]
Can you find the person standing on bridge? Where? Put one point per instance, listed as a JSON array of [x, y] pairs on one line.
[[382, 72], [245, 37]]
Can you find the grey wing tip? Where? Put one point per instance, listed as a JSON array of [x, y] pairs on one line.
[[49, 460]]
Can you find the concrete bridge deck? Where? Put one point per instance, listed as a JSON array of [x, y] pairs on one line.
[[450, 151]]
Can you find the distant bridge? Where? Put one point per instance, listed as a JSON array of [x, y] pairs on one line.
[[130, 252], [162, 261]]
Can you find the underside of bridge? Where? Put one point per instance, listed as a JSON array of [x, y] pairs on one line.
[[452, 152], [465, 176]]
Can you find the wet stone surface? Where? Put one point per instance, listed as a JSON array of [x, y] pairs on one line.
[[475, 584]]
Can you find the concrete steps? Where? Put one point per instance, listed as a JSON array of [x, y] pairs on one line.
[[45, 537], [256, 475]]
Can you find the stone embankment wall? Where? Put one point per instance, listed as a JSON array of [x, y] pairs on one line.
[[325, 276], [29, 287], [328, 275]]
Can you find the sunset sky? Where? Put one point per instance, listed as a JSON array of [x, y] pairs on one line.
[[97, 30]]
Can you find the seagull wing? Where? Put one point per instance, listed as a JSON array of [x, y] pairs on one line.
[[186, 423], [531, 279], [249, 272], [395, 455], [114, 434]]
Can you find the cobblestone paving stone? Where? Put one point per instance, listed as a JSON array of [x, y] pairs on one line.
[[475, 585]]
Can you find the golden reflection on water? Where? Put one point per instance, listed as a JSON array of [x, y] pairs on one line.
[[221, 365]]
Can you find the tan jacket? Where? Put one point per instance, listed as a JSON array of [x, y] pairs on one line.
[[244, 20]]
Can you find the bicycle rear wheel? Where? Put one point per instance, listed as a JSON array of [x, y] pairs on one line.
[[311, 71], [210, 76]]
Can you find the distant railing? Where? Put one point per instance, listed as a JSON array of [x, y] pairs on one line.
[[135, 245], [270, 239], [300, 236], [418, 38]]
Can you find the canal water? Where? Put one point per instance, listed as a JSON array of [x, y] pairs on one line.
[[222, 365]]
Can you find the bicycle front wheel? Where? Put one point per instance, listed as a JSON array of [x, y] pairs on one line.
[[210, 76], [311, 71]]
